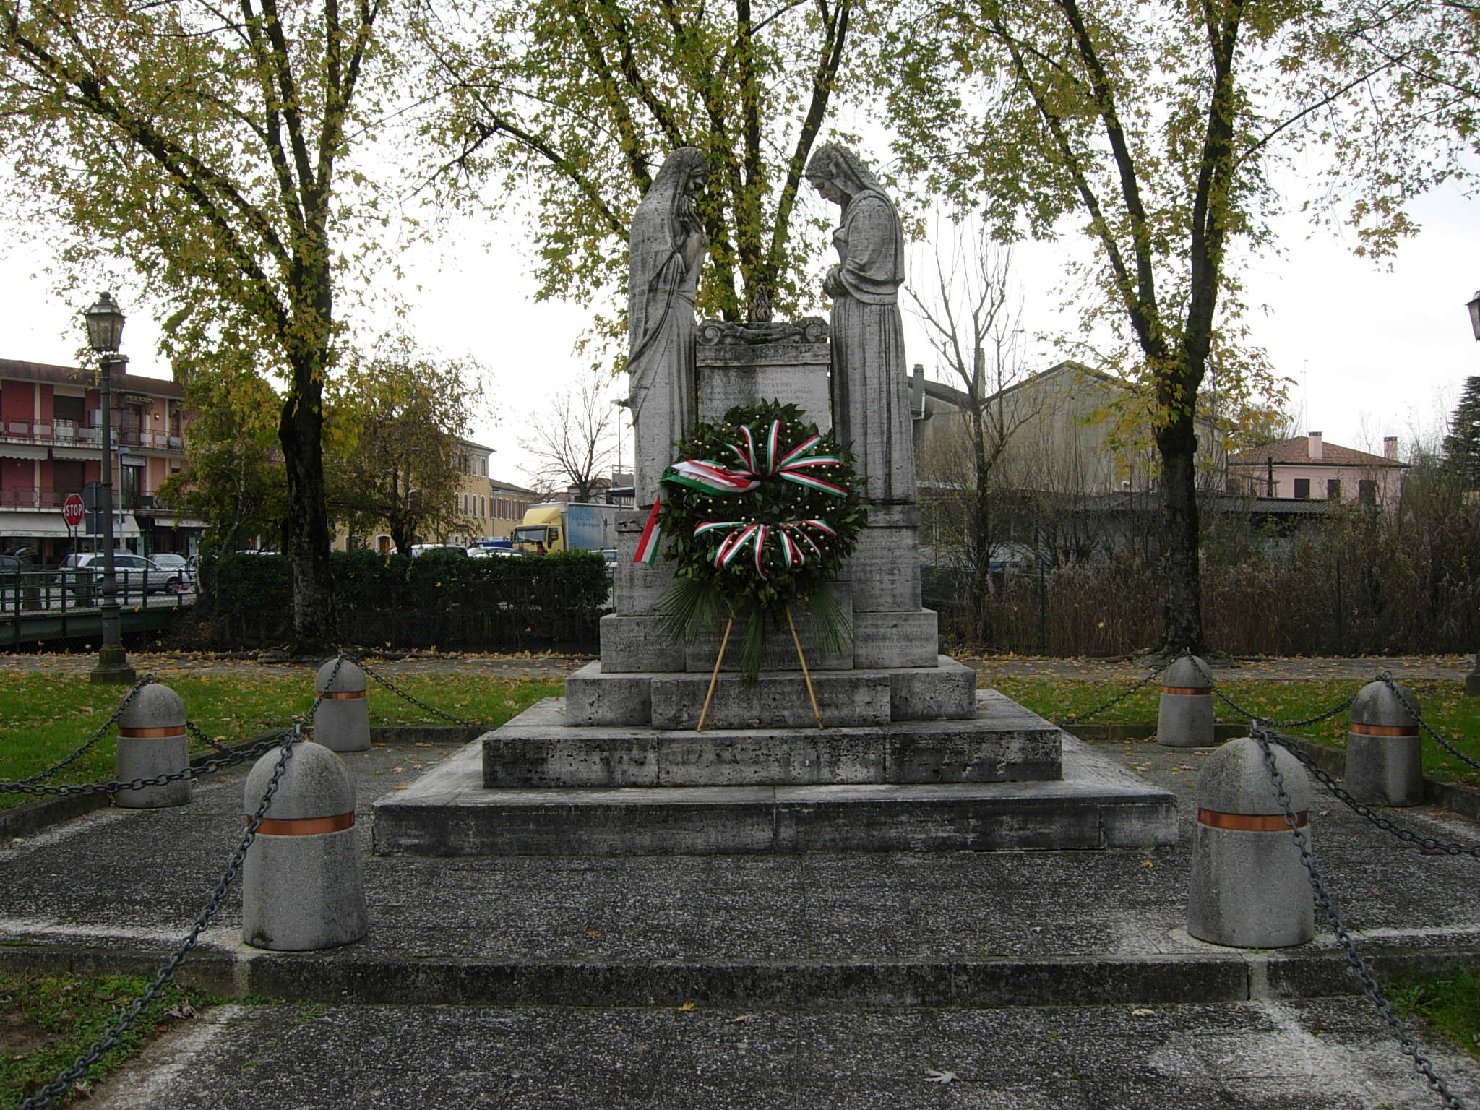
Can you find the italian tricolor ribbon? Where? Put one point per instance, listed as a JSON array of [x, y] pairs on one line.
[[651, 538]]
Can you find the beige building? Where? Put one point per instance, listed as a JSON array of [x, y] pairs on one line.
[[1068, 430], [472, 500], [508, 504]]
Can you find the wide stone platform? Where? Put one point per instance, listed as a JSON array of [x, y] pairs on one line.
[[539, 787]]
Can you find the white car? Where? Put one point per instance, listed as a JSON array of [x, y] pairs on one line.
[[84, 573]]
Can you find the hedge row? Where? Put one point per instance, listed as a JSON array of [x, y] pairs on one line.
[[447, 601]]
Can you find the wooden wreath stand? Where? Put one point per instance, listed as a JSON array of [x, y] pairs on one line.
[[720, 659]]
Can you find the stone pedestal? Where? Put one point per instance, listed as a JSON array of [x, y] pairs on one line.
[[911, 756]]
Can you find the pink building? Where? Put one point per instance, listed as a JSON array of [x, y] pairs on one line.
[[1307, 468], [50, 443]]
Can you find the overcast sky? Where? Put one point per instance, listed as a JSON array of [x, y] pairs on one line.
[[1373, 351]]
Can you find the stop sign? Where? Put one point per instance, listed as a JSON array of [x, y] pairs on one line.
[[72, 510]]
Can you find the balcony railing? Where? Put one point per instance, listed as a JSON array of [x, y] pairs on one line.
[[29, 497], [67, 433]]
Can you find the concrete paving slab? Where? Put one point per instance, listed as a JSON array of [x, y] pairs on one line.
[[1253, 1056]]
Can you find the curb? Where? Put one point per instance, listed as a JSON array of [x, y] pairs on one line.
[[337, 976]]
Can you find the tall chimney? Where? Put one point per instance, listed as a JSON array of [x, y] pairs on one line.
[[1313, 446], [1390, 447]]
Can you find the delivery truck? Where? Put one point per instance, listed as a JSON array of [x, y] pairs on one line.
[[553, 527]]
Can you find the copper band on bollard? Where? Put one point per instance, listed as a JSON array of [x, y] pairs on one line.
[[1385, 730], [151, 733], [1186, 690], [342, 695], [1249, 822], [305, 826]]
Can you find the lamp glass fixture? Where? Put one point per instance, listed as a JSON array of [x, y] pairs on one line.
[[105, 324]]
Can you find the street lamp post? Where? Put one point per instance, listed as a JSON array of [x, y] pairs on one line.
[[104, 336], [1472, 680]]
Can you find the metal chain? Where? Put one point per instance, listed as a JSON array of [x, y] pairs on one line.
[[114, 786], [413, 699], [1423, 843], [230, 757], [1080, 718], [1355, 963], [58, 1086], [1260, 717], [1412, 710], [67, 761], [202, 738]]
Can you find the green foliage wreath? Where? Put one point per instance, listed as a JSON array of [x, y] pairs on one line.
[[760, 511]]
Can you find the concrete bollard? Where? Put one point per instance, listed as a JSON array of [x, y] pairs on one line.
[[1185, 717], [1384, 757], [1249, 888], [151, 742], [301, 887], [341, 722]]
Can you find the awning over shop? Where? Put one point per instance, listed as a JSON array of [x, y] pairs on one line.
[[33, 525], [22, 451], [86, 454]]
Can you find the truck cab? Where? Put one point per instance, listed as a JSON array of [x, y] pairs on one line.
[[541, 532]]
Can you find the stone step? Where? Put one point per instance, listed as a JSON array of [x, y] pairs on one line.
[[778, 699], [448, 813], [1001, 742]]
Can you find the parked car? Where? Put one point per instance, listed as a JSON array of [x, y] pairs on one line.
[[176, 564], [83, 573]]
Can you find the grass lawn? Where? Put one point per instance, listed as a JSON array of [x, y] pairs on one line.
[[49, 716], [47, 1022], [1442, 704]]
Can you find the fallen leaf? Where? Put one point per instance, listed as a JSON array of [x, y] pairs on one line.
[[932, 1076], [1142, 1013], [595, 934], [686, 1007]]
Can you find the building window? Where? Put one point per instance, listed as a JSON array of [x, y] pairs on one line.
[[1302, 489], [68, 408], [1367, 491], [1333, 489]]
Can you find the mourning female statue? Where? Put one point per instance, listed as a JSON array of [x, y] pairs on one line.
[[870, 394], [667, 254]]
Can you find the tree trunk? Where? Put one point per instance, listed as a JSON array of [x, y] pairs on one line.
[[306, 524], [1182, 616]]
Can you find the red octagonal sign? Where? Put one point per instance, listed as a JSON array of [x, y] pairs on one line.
[[72, 509]]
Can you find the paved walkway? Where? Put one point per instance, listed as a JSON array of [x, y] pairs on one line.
[[1014, 980]]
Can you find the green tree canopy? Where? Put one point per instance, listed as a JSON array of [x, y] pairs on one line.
[[396, 419], [233, 477], [1462, 444], [1152, 127], [207, 147], [579, 101]]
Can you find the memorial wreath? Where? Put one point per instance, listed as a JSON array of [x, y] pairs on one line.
[[760, 512]]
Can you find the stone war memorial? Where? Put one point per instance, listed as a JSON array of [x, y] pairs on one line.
[[768, 679]]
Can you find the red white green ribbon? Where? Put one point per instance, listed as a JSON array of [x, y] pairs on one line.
[[651, 538], [792, 538], [706, 476]]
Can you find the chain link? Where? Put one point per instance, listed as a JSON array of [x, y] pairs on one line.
[[1387, 678], [413, 699], [1426, 844], [1306, 722], [1081, 718], [1355, 963], [58, 1086], [67, 761], [202, 738]]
